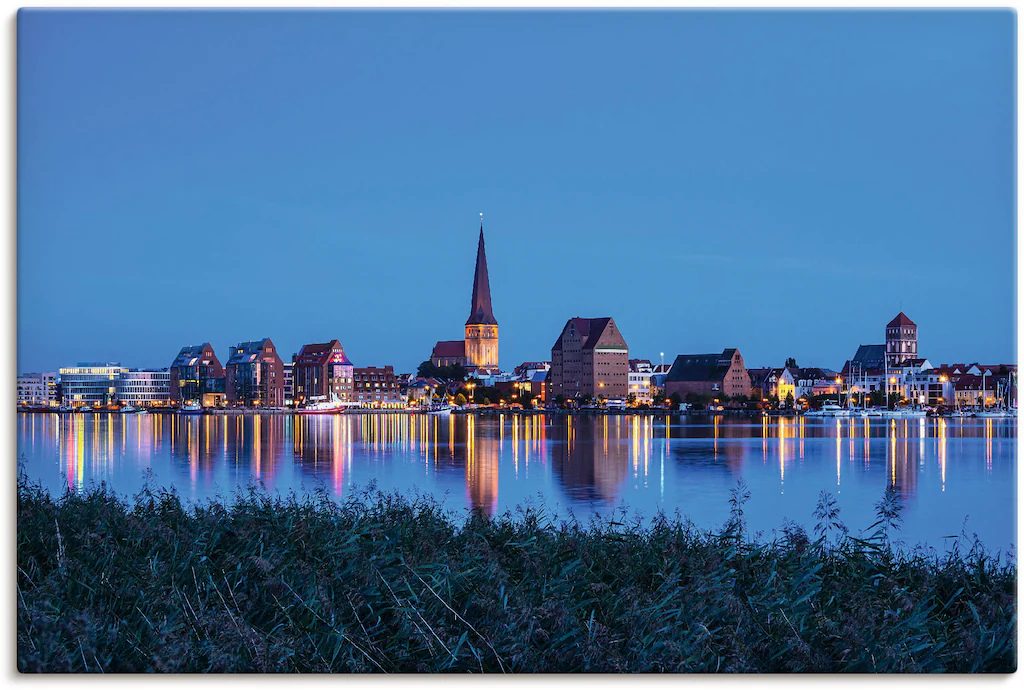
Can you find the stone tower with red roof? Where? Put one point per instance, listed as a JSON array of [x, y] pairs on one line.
[[900, 340], [481, 326]]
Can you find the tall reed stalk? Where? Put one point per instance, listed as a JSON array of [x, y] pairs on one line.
[[380, 583]]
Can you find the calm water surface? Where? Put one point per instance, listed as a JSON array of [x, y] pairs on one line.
[[944, 470]]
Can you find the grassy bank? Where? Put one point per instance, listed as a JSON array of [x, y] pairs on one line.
[[379, 583]]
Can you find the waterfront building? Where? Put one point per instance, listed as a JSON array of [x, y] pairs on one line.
[[987, 385], [90, 384], [144, 387], [537, 384], [812, 381], [254, 375], [421, 390], [762, 382], [930, 387], [709, 374], [479, 349], [900, 340], [526, 370], [196, 375], [376, 387], [640, 374], [322, 369], [38, 390], [591, 358], [289, 382], [658, 384]]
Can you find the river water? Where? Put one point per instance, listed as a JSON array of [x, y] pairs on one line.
[[945, 471]]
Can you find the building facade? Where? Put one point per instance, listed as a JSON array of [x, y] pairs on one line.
[[640, 374], [709, 374], [322, 369], [254, 375], [38, 390], [376, 387], [90, 384], [196, 375], [900, 340], [144, 388], [591, 358], [289, 382]]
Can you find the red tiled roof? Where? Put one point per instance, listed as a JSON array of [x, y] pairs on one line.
[[319, 354], [449, 348], [901, 320]]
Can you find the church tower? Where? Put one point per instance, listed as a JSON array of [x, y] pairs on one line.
[[481, 326], [900, 340]]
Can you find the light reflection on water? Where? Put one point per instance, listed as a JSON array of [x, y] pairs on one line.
[[944, 470]]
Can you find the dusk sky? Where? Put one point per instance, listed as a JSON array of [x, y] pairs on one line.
[[783, 183]]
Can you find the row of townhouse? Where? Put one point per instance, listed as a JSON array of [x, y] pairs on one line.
[[256, 375]]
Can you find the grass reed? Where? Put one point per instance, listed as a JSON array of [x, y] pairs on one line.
[[381, 583]]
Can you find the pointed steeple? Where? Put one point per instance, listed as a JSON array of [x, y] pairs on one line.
[[480, 308]]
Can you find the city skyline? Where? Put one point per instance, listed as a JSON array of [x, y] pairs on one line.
[[223, 195]]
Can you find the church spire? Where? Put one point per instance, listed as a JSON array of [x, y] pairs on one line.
[[480, 308]]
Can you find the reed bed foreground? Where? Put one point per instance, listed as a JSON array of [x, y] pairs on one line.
[[379, 583]]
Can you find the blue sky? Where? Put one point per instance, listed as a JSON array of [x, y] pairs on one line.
[[779, 182]]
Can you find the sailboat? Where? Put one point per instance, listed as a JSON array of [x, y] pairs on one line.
[[1002, 410]]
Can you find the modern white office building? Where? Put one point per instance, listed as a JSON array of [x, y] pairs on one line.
[[90, 383], [144, 387], [38, 390]]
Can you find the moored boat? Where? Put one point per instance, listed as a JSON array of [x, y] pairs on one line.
[[191, 407], [323, 404]]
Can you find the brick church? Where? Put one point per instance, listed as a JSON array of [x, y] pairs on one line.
[[478, 352]]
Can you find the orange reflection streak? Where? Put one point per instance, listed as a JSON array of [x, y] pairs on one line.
[[892, 449], [515, 444], [988, 445], [715, 424], [647, 445], [451, 436], [867, 442], [942, 451], [531, 438], [765, 431]]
